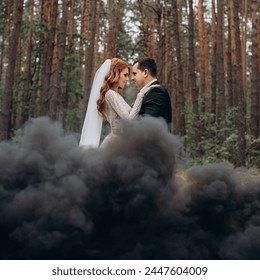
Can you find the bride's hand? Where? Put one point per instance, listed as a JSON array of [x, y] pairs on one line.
[[141, 93]]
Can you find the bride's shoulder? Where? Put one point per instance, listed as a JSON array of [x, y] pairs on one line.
[[110, 93]]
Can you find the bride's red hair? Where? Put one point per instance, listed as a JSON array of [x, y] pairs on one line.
[[111, 80]]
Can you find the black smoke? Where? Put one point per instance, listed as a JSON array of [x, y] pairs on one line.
[[121, 202]]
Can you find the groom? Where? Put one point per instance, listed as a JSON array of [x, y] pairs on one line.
[[156, 101]]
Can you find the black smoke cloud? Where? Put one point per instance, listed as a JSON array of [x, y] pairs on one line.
[[60, 202]]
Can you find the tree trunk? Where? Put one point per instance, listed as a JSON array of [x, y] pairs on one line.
[[204, 73], [71, 5], [172, 88], [184, 54], [143, 27], [258, 66], [96, 48], [161, 40], [67, 86], [220, 63], [28, 66], [152, 50], [90, 62], [17, 91], [233, 53], [83, 27], [214, 59], [241, 124], [56, 93], [166, 45], [230, 82], [10, 18], [115, 26], [193, 82], [9, 78], [244, 20], [255, 73], [4, 15], [180, 94], [51, 25]]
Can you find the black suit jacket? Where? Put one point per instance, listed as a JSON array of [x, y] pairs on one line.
[[157, 103]]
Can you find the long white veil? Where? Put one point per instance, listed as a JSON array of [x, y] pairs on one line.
[[91, 130]]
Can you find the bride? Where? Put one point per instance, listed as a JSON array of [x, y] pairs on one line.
[[106, 103]]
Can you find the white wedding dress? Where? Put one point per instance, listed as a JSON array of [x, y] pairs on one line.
[[116, 109]]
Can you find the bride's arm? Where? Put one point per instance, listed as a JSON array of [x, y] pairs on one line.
[[121, 107]]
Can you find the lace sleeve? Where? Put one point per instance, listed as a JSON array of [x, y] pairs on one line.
[[121, 107]]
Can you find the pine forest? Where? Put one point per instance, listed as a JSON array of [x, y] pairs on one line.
[[207, 54]]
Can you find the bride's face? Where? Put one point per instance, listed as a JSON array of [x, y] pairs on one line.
[[124, 78]]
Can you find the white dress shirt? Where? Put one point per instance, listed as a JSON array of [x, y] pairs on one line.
[[147, 85]]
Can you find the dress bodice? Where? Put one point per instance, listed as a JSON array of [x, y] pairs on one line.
[[116, 108]]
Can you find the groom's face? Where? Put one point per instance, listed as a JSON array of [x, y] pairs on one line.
[[138, 76]]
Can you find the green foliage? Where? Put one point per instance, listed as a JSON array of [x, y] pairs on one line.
[[72, 115], [253, 151], [218, 141], [189, 137], [72, 91]]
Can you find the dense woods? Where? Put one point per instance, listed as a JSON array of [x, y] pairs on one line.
[[207, 51]]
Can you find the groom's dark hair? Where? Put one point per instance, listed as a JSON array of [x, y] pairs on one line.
[[147, 63]]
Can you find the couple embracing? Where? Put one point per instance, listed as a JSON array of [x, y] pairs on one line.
[[106, 103]]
